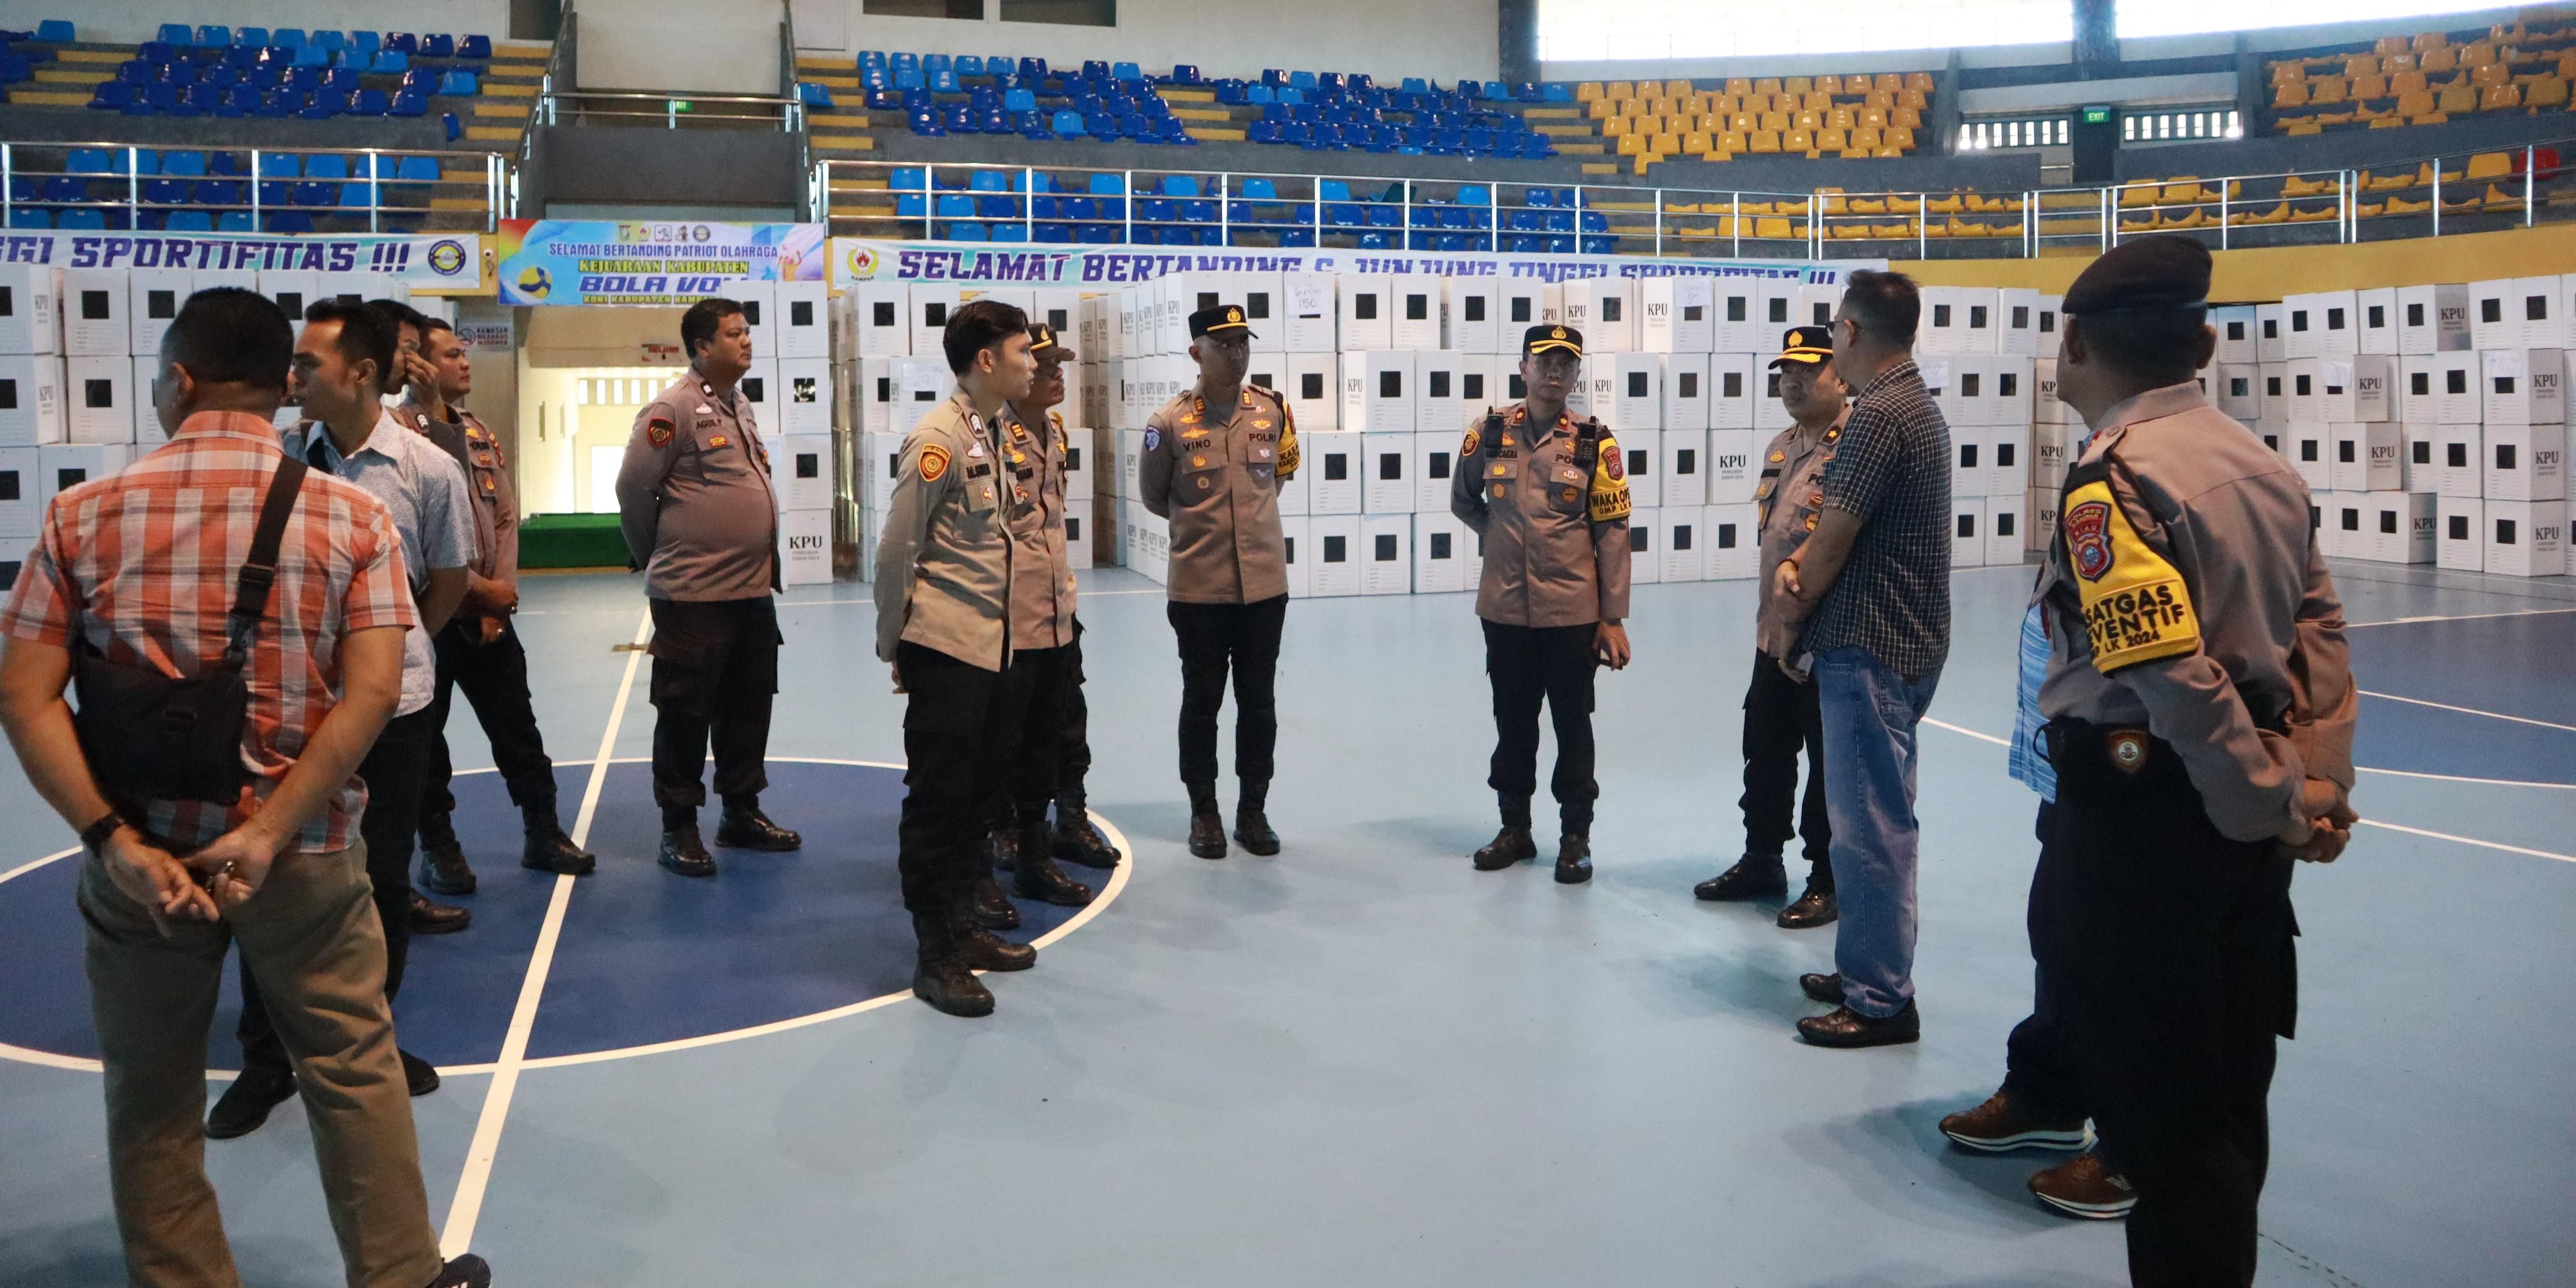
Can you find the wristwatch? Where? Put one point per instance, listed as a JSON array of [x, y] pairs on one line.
[[95, 835]]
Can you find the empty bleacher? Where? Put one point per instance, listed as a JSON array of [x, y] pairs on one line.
[[2426, 79], [248, 190]]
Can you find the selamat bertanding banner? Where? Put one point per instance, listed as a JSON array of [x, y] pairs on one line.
[[1102, 268], [587, 261]]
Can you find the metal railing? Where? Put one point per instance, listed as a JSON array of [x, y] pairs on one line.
[[714, 111], [488, 177], [2468, 191]]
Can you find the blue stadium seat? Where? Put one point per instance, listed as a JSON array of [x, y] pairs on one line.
[[358, 196], [217, 192], [438, 46], [276, 192], [1009, 233], [417, 170], [402, 42], [1301, 80], [955, 205], [968, 65], [1180, 185], [323, 167], [54, 31], [312, 56], [1416, 85], [390, 62], [366, 42], [963, 231], [371, 102], [409, 103], [89, 219], [65, 188], [166, 192], [111, 96], [290, 221], [30, 217], [944, 81], [287, 38], [235, 221], [315, 194], [175, 33], [457, 84], [1019, 100], [333, 40], [477, 48], [909, 78], [212, 37], [813, 95], [250, 37]]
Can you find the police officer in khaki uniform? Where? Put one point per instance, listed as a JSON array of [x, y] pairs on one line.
[[1549, 495], [1043, 635], [700, 516], [945, 621], [479, 651], [1781, 714], [2200, 707], [1215, 458]]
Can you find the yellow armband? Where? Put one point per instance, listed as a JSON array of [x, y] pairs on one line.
[[1609, 499], [2136, 607]]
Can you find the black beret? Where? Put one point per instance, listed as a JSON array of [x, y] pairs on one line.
[[1224, 317], [1541, 339], [2160, 274]]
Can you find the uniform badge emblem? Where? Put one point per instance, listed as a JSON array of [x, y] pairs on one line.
[[2128, 749], [1468, 448], [717, 441], [1557, 334], [1498, 491], [1019, 458], [1811, 523], [1832, 434], [1198, 462], [1777, 457], [1507, 441], [657, 431], [1614, 464], [1568, 496], [1261, 424], [1153, 439], [975, 448], [2088, 539], [705, 410], [934, 462], [1206, 482], [1261, 453]]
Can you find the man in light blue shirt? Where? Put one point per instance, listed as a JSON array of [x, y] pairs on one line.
[[341, 358]]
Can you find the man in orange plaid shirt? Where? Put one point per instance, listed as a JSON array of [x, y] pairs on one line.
[[141, 567]]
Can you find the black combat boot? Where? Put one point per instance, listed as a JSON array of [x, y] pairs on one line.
[[1038, 876], [1573, 859], [1252, 822], [1207, 826], [943, 978], [548, 848], [1510, 845]]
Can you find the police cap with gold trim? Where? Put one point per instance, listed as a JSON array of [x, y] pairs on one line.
[[1806, 345], [1046, 346], [2161, 274], [1549, 338], [1224, 318]]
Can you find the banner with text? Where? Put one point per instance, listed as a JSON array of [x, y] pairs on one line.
[[585, 261], [1101, 268], [435, 262]]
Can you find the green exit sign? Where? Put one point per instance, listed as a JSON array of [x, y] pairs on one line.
[[2097, 116]]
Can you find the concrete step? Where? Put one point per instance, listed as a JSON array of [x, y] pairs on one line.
[[490, 134], [1188, 95], [111, 57], [842, 143], [456, 203], [510, 89], [514, 111], [1213, 134], [68, 76], [48, 98], [1596, 167], [1202, 114]]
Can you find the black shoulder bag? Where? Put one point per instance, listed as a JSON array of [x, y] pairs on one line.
[[149, 737]]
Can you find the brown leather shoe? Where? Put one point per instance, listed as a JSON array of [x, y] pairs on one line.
[[1207, 835], [1846, 1027], [1755, 876], [1510, 845], [1810, 910], [2085, 1186], [1999, 1125]]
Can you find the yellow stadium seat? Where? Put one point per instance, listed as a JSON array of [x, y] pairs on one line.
[[1900, 138], [2437, 60], [1620, 91], [2334, 118], [1588, 92], [2488, 165], [2497, 98], [1766, 141], [2289, 73], [2370, 86], [1731, 142], [1809, 121], [2390, 46], [2290, 94], [1766, 84], [2477, 53], [2429, 118], [2327, 89], [2456, 99], [2136, 195], [2409, 82], [1631, 145], [2430, 40], [1738, 85], [1832, 139], [1841, 118], [1776, 121], [2294, 186], [1798, 85], [1744, 122], [2547, 91], [1888, 82], [2178, 191], [1666, 144], [2370, 209], [2193, 218], [2146, 225], [1890, 232], [2386, 182], [1681, 210], [1776, 228], [1885, 98], [2490, 74], [1829, 85], [1867, 136], [1650, 88], [1884, 151], [1906, 118], [1617, 126], [2313, 215], [1921, 81], [1868, 205], [1696, 144], [1851, 232], [2360, 65], [1600, 109], [1872, 118], [2417, 103], [2497, 199], [1949, 205], [2401, 206], [1727, 104], [1799, 141], [2397, 64], [1677, 88]]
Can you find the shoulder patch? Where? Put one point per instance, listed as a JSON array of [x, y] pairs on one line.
[[1153, 438], [658, 431], [2136, 605], [934, 463], [1613, 462], [1609, 494], [1468, 446]]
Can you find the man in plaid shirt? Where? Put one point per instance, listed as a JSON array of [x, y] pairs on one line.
[[141, 568], [1873, 583]]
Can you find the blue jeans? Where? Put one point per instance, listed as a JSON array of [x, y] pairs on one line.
[[1869, 715]]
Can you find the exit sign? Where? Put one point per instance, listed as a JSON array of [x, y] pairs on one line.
[[2097, 116]]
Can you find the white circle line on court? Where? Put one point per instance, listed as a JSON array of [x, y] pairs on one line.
[[1108, 893]]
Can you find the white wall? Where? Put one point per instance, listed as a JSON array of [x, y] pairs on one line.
[[129, 22], [1441, 39], [679, 45]]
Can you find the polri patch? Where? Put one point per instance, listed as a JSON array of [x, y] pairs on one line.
[[934, 463], [658, 431], [2088, 539]]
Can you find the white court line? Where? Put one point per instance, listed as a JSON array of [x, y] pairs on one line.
[[2472, 711], [2455, 778], [467, 1207], [2367, 822], [25, 868], [2461, 617]]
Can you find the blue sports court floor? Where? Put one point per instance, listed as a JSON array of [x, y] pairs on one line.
[[1361, 1062]]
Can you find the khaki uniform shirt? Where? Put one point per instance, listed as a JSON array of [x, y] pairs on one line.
[[1042, 588], [1791, 495], [1215, 473], [694, 497], [2185, 594], [487, 476], [1555, 530], [943, 574]]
